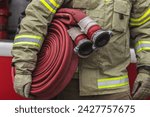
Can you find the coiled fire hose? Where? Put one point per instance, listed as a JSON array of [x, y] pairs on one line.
[[57, 61]]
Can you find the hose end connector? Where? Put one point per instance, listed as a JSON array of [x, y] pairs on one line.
[[100, 38], [83, 45], [84, 48]]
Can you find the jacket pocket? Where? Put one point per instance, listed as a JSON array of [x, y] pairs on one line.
[[121, 15], [85, 4]]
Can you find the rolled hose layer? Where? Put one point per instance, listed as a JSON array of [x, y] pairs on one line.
[[56, 64]]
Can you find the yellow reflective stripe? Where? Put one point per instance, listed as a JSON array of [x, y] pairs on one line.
[[111, 79], [113, 86], [142, 17], [141, 20], [141, 23], [54, 3], [112, 82], [27, 43], [142, 45], [47, 6], [142, 42], [144, 48], [28, 36]]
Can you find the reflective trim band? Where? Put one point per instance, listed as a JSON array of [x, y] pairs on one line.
[[29, 40], [141, 20], [54, 3], [142, 45], [28, 36], [141, 23], [51, 5], [27, 43], [113, 82], [147, 13]]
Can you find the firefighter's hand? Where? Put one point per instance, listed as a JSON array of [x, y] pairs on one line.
[[22, 84], [141, 88]]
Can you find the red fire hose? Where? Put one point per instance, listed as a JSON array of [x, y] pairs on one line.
[[57, 61]]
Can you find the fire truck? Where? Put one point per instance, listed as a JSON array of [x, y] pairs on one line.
[[10, 12]]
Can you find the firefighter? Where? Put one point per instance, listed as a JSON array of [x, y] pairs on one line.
[[103, 75]]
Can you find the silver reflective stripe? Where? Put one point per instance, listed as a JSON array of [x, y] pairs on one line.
[[50, 4], [142, 45], [28, 40], [25, 39], [113, 82]]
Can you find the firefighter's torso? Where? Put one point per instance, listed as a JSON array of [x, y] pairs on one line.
[[105, 70]]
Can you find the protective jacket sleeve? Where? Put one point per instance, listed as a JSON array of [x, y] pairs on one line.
[[140, 31], [33, 29]]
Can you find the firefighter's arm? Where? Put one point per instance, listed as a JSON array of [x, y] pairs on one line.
[[28, 41], [140, 32]]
